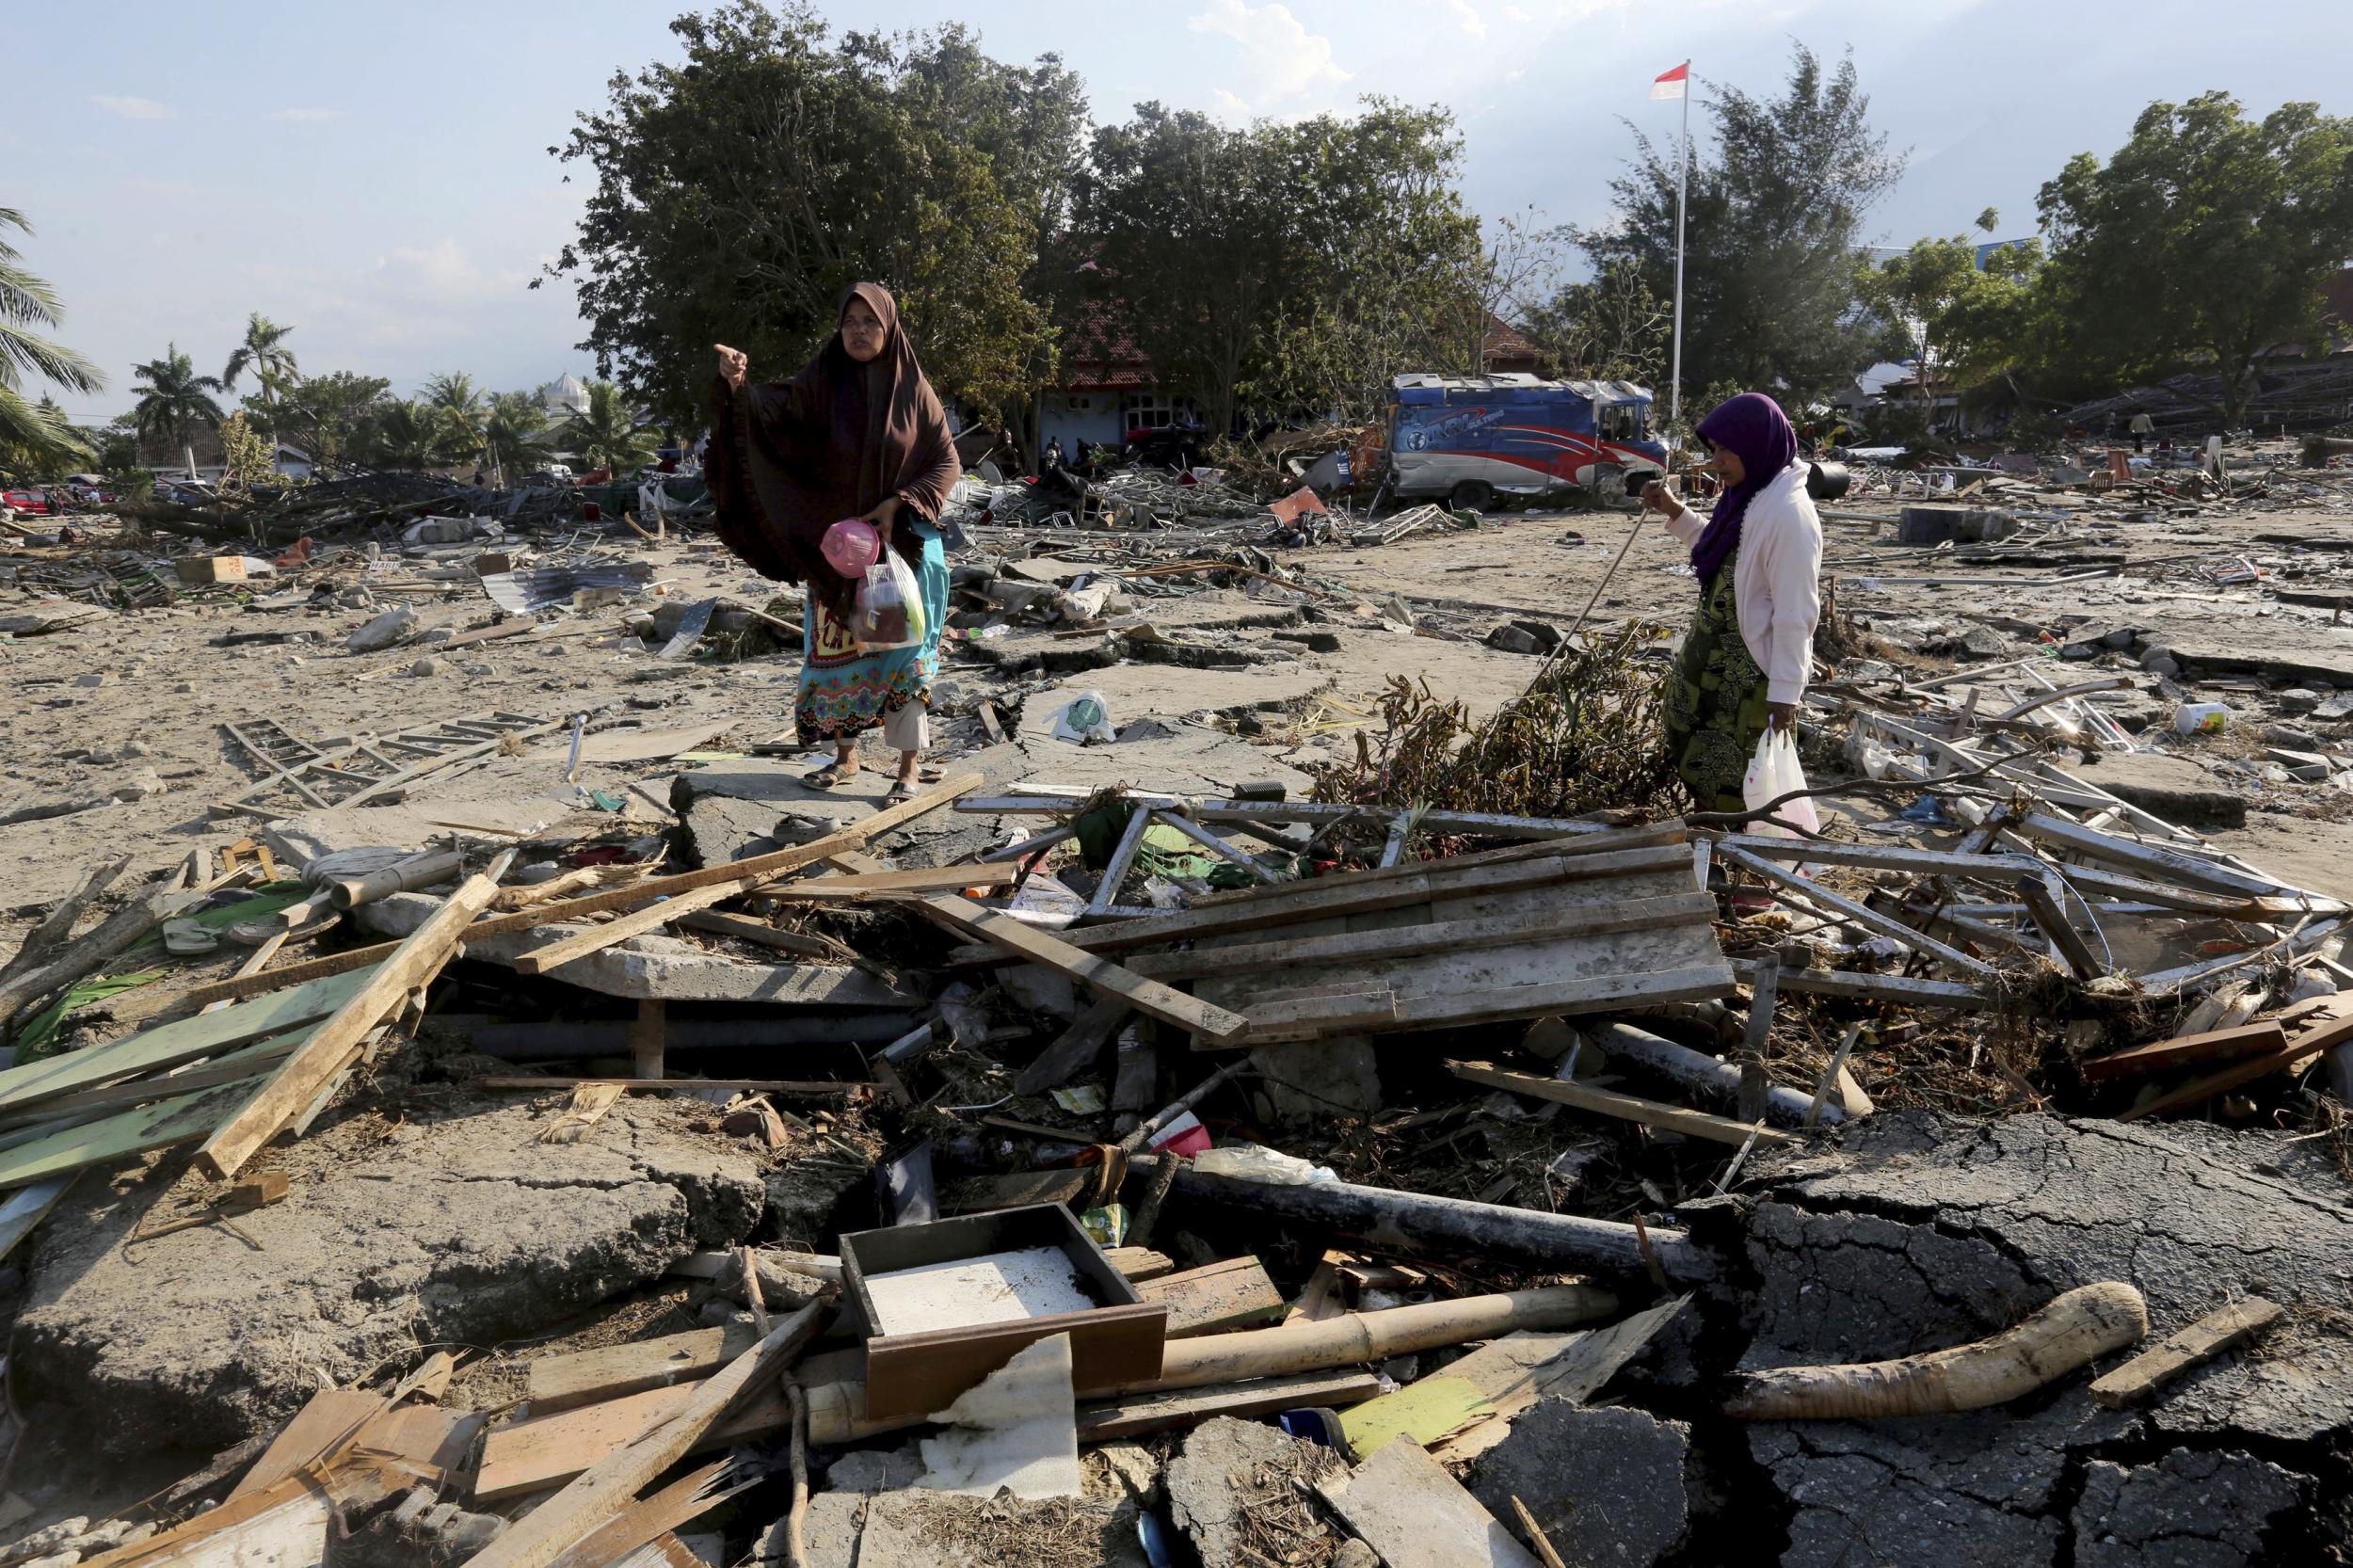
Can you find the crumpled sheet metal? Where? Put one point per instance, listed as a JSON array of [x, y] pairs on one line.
[[524, 592]]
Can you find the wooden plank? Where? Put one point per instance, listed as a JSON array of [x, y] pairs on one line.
[[511, 626], [331, 1418], [1233, 1292], [2182, 1051], [1902, 989], [913, 1374], [609, 1485], [1145, 1414], [1148, 997], [1076, 1049], [585, 1377], [1138, 1263], [27, 1207], [2180, 1351], [141, 1090], [267, 981], [756, 869], [321, 1056], [2044, 901], [846, 889], [1363, 892], [1649, 913], [138, 1130], [170, 1045], [1658, 835], [1672, 1118], [540, 1451], [1597, 994], [745, 929], [1415, 1515]]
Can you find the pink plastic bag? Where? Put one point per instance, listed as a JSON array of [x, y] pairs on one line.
[[851, 546]]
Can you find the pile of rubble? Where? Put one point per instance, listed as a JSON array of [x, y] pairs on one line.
[[562, 1135]]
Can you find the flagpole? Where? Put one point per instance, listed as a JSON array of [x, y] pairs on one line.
[[1683, 190]]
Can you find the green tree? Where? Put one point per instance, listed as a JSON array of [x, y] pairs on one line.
[[1384, 269], [605, 433], [461, 406], [405, 433], [247, 458], [514, 434], [1187, 223], [1608, 328], [739, 192], [1955, 318], [328, 412], [34, 434], [2207, 236], [264, 351], [1772, 273], [174, 400]]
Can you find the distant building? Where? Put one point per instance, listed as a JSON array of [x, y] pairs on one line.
[[565, 396]]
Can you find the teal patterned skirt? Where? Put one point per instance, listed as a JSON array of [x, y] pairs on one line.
[[1715, 700]]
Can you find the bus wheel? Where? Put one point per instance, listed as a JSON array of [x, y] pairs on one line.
[[1474, 495]]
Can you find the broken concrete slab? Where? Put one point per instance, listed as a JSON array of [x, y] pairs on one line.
[[1607, 1484], [1227, 1469], [2179, 789], [924, 1529], [2190, 1508], [454, 1225], [1921, 1233]]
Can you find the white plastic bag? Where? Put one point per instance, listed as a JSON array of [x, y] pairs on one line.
[[1773, 772], [889, 612], [1083, 719]]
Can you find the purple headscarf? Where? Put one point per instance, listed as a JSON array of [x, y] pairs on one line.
[[1752, 429]]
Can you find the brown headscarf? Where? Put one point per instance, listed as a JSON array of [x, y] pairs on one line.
[[790, 459]]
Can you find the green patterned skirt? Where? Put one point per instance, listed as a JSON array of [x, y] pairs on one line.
[[1715, 700]]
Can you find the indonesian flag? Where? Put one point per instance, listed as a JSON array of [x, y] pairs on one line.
[[1670, 84]]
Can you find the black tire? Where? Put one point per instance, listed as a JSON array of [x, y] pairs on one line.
[[1473, 495]]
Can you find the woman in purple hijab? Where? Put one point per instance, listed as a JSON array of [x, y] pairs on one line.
[[1759, 558]]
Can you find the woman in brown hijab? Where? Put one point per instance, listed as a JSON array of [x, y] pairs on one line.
[[858, 432]]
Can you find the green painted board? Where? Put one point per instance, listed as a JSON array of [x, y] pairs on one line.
[[180, 1119], [182, 1040], [26, 1207]]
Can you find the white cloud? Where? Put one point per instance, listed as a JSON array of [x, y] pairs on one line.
[[1292, 64], [444, 274], [1225, 106], [308, 114], [132, 108], [1474, 24], [1517, 17]]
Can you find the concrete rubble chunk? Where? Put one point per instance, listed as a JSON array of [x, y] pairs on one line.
[[931, 1530], [2188, 1509], [459, 1227], [1227, 1466], [385, 631], [1607, 1484]]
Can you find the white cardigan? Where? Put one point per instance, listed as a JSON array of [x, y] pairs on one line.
[[1776, 583]]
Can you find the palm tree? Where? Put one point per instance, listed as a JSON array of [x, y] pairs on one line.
[[264, 352], [605, 432], [514, 434], [462, 409], [407, 433], [173, 399], [35, 434]]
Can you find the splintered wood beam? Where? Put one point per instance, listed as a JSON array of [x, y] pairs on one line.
[[1671, 1118], [1148, 997]]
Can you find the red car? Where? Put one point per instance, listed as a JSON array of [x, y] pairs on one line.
[[32, 504]]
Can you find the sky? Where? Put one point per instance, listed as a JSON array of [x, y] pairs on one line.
[[379, 177]]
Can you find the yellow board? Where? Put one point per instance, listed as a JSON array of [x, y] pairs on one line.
[[1425, 1412]]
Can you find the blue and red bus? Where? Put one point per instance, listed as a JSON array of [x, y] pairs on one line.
[[1473, 438]]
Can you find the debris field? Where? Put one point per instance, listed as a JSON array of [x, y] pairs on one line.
[[1294, 1086]]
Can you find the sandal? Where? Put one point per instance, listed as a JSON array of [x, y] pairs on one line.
[[900, 789], [827, 777]]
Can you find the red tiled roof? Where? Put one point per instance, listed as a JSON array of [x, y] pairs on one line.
[[1099, 353]]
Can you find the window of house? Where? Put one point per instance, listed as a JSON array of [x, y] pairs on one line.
[[1156, 410]]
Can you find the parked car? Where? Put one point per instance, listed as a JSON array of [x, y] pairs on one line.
[[31, 504]]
